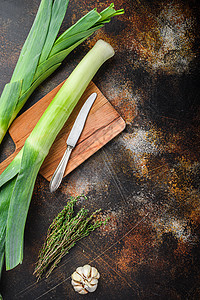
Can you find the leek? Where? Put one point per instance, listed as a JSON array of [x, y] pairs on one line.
[[17, 181], [42, 53]]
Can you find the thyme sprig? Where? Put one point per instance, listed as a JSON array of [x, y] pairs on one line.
[[63, 233]]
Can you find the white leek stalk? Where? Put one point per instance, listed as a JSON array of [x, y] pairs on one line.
[[17, 181]]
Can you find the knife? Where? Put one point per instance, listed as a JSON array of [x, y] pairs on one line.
[[71, 142]]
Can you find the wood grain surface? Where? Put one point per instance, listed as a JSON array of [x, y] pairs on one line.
[[102, 125]]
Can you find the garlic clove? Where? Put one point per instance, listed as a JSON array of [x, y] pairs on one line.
[[80, 289], [92, 288], [75, 283], [79, 270], [95, 273], [93, 281], [86, 271], [83, 292], [76, 277]]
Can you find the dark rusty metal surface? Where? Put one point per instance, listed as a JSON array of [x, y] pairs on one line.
[[146, 179]]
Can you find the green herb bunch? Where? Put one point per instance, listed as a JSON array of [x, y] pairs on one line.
[[63, 233]]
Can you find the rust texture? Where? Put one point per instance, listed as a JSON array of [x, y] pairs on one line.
[[147, 179]]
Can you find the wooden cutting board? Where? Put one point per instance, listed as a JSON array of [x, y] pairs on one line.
[[102, 125]]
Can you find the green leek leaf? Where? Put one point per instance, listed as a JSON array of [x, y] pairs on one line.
[[55, 59], [5, 196], [12, 170], [19, 204], [22, 100], [69, 41], [8, 100], [83, 24], [58, 13], [30, 54]]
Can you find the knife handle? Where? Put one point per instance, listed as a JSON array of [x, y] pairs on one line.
[[60, 170]]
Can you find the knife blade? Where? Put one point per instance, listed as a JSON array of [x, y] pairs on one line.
[[71, 142]]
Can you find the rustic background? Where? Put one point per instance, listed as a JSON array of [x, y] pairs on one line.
[[147, 179]]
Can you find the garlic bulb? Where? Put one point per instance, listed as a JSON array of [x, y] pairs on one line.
[[85, 279]]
